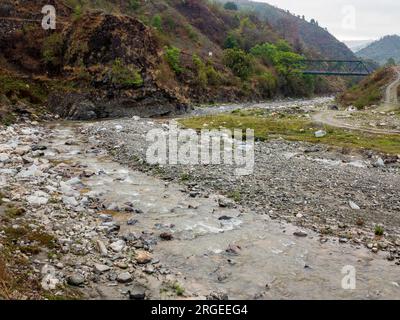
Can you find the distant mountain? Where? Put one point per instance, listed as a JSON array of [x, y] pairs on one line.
[[357, 45], [296, 29], [382, 50]]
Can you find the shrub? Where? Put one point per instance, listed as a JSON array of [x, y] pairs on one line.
[[239, 62], [134, 4], [52, 49], [231, 42], [173, 57], [379, 231], [156, 22], [267, 84], [201, 73], [125, 75]]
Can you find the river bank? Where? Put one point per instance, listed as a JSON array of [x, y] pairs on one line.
[[108, 226]]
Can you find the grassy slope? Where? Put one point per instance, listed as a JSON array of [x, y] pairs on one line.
[[368, 92]]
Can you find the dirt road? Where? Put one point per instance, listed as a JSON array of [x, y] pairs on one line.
[[344, 119]]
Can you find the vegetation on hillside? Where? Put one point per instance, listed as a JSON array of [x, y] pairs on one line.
[[383, 51], [369, 91], [194, 51]]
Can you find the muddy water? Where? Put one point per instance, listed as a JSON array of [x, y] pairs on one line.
[[271, 263]]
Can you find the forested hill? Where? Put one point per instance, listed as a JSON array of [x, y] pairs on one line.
[[383, 50], [298, 30], [122, 57]]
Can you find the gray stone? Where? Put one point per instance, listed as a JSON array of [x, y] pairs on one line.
[[117, 246], [301, 234], [124, 277], [100, 268], [75, 280]]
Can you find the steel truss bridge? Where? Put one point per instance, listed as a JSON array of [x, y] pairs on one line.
[[335, 67]]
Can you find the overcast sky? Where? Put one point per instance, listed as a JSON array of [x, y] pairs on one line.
[[349, 19]]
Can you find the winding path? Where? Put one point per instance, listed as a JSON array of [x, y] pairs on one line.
[[331, 118]]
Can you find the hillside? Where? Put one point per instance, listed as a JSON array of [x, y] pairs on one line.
[[382, 50], [370, 91], [298, 31], [124, 57]]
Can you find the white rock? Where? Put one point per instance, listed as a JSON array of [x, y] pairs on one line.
[[47, 269], [49, 282], [37, 201], [117, 246], [71, 201], [73, 181], [118, 128], [32, 171], [379, 163], [353, 205], [320, 134], [4, 157]]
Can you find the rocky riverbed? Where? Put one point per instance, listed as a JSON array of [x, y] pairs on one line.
[[89, 219]]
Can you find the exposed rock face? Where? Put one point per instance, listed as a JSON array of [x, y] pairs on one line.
[[97, 41]]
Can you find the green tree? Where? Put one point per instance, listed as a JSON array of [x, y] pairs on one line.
[[134, 4], [391, 62], [231, 6], [231, 42], [156, 22], [173, 57], [239, 62]]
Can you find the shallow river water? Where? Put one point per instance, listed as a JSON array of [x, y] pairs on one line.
[[269, 262]]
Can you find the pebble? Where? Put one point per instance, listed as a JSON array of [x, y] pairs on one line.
[[124, 277], [117, 246], [301, 234], [102, 248], [75, 280], [143, 257], [100, 268], [353, 205]]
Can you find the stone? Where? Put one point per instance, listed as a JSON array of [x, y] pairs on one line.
[[320, 134], [75, 280], [301, 234], [73, 181], [32, 171], [124, 277], [138, 294], [37, 200], [70, 201], [143, 257], [167, 236], [4, 157], [353, 205], [379, 163], [225, 202], [233, 249], [38, 147], [101, 268], [49, 282], [132, 222], [102, 248], [118, 245]]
